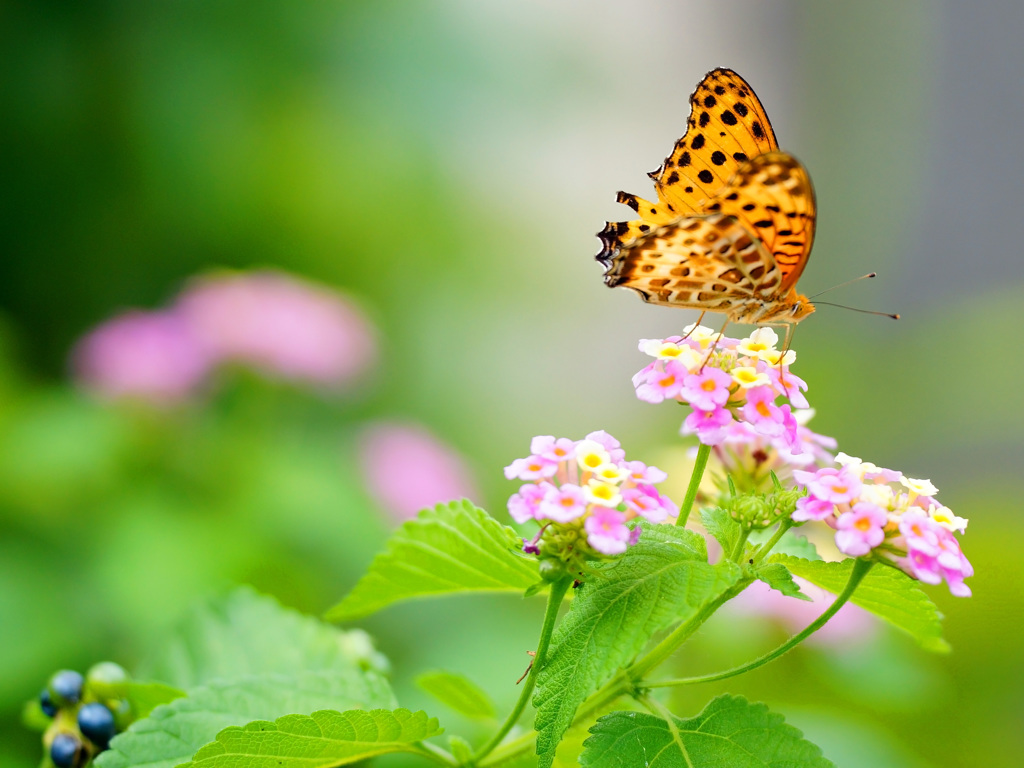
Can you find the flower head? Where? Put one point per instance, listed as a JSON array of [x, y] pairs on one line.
[[881, 513], [584, 493], [726, 381]]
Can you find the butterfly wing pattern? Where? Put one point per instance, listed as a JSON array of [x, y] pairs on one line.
[[734, 222]]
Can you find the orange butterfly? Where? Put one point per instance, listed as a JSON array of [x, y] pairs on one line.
[[734, 222]]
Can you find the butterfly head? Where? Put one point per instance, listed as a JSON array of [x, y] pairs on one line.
[[799, 309]]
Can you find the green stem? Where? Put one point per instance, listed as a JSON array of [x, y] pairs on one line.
[[765, 548], [691, 493], [860, 570], [555, 596], [682, 633], [741, 546], [434, 752]]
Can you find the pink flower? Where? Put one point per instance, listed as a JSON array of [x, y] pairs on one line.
[[711, 427], [564, 503], [788, 385], [706, 390], [810, 508], [609, 443], [151, 356], [525, 505], [547, 447], [647, 502], [407, 469], [641, 473], [606, 531], [838, 486], [861, 529], [662, 383], [531, 468], [761, 412], [282, 325], [933, 553]]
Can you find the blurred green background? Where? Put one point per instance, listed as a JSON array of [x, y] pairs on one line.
[[447, 164]]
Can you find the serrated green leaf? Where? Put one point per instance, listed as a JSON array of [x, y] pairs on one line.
[[664, 579], [729, 732], [173, 732], [245, 633], [725, 530], [790, 544], [321, 740], [886, 592], [457, 692], [451, 548], [778, 577], [144, 697]]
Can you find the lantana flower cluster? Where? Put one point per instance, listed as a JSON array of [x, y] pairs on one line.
[[726, 382], [882, 512], [583, 492]]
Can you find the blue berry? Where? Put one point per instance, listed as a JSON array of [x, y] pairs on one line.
[[66, 687], [46, 703], [66, 751], [96, 723]]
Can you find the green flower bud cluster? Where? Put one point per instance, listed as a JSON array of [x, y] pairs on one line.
[[757, 511], [78, 715]]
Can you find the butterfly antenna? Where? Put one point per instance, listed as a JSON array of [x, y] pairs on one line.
[[893, 315], [841, 285]]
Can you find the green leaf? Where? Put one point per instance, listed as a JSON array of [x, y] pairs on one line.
[[451, 548], [729, 732], [173, 732], [719, 523], [244, 633], [457, 692], [143, 696], [664, 579], [778, 577], [789, 544], [320, 740], [885, 591]]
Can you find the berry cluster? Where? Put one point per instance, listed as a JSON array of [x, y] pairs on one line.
[[83, 723]]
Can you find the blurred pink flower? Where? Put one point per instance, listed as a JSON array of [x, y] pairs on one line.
[[852, 624], [283, 325], [151, 356], [407, 469]]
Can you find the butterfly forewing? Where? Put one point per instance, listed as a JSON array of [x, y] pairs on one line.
[[727, 126]]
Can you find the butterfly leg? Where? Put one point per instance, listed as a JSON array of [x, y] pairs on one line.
[[694, 326], [785, 349], [714, 345]]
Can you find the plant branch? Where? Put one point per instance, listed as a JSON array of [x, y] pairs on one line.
[[555, 596], [860, 570], [703, 452]]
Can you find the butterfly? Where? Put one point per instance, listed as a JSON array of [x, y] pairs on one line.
[[734, 221]]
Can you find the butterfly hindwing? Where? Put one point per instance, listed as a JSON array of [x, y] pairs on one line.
[[772, 196], [702, 262]]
